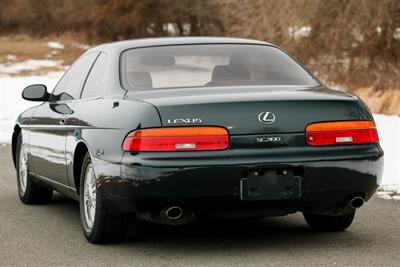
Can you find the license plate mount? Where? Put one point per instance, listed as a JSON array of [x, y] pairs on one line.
[[272, 184]]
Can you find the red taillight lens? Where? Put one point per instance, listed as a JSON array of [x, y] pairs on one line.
[[177, 139], [341, 133]]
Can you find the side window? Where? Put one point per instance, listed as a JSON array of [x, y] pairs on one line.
[[96, 81], [70, 85]]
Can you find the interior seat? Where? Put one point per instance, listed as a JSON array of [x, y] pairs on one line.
[[140, 79], [229, 75]]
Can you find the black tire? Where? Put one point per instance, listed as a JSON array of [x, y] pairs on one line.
[[34, 193], [107, 227], [325, 223]]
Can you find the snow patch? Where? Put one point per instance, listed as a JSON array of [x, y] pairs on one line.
[[55, 45], [83, 46], [299, 32], [11, 102], [397, 198], [389, 133], [394, 188], [11, 57], [28, 65], [396, 34]]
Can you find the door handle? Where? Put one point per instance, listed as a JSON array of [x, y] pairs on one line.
[[62, 122]]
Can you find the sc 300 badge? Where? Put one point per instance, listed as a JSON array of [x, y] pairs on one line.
[[270, 139]]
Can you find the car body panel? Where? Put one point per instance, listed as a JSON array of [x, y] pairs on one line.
[[47, 141], [217, 179], [293, 107], [323, 163], [114, 118], [131, 182]]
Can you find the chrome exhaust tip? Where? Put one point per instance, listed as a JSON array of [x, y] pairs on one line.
[[174, 213], [356, 202]]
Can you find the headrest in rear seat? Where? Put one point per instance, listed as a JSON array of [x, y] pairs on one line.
[[229, 72], [140, 79]]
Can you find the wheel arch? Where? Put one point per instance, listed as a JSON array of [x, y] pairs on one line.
[[14, 142], [79, 154]]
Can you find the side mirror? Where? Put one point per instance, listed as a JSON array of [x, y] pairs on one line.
[[36, 92]]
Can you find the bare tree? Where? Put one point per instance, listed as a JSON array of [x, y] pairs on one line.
[[346, 41]]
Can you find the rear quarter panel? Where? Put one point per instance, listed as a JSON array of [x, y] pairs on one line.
[[102, 125]]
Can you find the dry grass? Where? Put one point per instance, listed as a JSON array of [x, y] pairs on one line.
[[24, 47], [380, 101]]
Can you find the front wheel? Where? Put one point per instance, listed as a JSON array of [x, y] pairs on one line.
[[325, 223], [99, 225]]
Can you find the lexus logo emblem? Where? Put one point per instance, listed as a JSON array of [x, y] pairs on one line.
[[266, 117]]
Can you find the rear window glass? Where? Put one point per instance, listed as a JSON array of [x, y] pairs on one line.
[[209, 65]]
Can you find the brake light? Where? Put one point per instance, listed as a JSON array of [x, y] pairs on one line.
[[341, 133], [177, 139]]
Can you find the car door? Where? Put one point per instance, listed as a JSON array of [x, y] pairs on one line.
[[48, 123]]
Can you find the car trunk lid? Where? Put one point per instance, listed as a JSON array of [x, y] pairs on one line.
[[252, 110]]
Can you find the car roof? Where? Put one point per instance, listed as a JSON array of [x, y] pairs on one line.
[[162, 41]]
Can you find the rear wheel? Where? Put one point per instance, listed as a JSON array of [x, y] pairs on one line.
[[325, 223], [99, 225], [29, 192]]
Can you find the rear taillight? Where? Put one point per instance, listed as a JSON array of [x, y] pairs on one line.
[[341, 133], [177, 139]]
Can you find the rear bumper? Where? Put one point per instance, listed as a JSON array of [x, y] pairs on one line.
[[148, 182]]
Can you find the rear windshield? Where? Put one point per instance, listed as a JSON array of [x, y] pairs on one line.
[[209, 65]]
